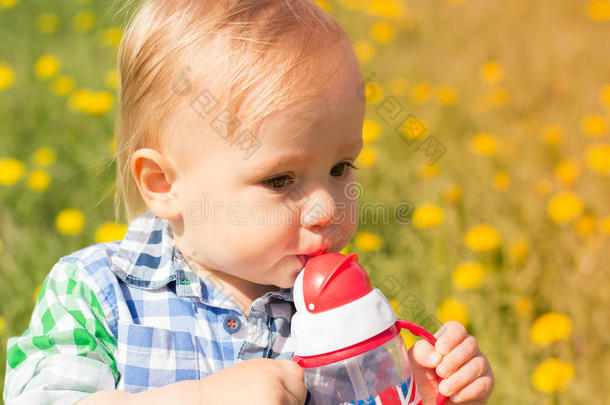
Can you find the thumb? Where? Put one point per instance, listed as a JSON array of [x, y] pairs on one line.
[[424, 359]]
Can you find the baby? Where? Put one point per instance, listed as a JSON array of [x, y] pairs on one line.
[[239, 124]]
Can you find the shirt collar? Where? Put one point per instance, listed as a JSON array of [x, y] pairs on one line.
[[148, 258]]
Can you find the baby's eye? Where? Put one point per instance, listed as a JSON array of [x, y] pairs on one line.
[[278, 183], [341, 167]]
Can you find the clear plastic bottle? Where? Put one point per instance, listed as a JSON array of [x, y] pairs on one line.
[[381, 375]]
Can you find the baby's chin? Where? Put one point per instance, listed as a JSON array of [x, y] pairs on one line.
[[287, 271]]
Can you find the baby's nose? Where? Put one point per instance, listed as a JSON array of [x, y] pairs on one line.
[[321, 213]]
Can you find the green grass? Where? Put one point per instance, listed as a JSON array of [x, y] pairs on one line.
[[555, 66]]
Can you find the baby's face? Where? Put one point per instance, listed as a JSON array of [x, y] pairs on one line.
[[253, 217]]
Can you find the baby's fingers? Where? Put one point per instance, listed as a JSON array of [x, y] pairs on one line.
[[469, 372], [449, 336], [477, 391], [425, 355], [465, 351], [293, 381]]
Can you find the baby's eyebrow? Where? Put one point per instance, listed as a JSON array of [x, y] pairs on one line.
[[353, 145], [269, 165]]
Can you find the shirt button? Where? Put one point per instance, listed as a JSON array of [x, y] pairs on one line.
[[232, 324]]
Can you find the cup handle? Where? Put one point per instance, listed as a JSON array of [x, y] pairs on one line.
[[423, 333]]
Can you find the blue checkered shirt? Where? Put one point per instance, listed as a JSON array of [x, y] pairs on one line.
[[131, 315]]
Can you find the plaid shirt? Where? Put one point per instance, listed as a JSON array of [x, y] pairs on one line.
[[131, 315]]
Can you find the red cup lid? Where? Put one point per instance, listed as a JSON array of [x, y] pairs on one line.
[[332, 279]]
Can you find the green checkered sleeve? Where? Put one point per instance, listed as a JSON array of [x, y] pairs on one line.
[[67, 351]]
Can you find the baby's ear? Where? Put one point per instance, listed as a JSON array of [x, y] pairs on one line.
[[155, 176]]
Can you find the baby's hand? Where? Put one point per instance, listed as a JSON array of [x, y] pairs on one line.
[[467, 374], [257, 381]]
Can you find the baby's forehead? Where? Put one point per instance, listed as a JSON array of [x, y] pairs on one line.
[[247, 119]]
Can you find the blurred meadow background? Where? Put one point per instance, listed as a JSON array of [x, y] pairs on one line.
[[486, 140]]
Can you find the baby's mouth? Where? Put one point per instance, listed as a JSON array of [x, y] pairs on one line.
[[303, 259]]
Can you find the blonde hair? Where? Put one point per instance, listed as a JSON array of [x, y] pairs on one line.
[[250, 54]]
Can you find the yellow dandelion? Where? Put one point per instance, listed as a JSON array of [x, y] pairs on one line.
[[552, 375], [368, 156], [523, 306], [39, 180], [2, 325], [501, 181], [427, 216], [110, 231], [382, 32], [393, 9], [1, 245], [492, 72], [552, 134], [453, 310], [48, 23], [399, 86], [599, 10], [604, 224], [408, 338], [428, 171], [63, 85], [564, 206], [47, 66], [597, 156], [7, 76], [323, 4], [594, 125], [484, 144], [370, 131], [111, 36], [586, 225], [550, 327], [112, 78], [567, 171], [44, 156], [453, 193], [70, 221], [91, 102], [365, 51], [7, 3], [482, 237], [84, 20], [367, 241], [374, 92], [37, 292], [447, 95], [519, 248], [413, 128], [346, 249], [420, 92], [468, 275], [11, 171], [604, 95], [395, 305]]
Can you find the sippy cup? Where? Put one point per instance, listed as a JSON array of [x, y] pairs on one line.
[[347, 337]]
